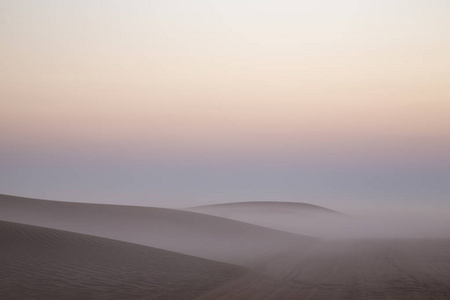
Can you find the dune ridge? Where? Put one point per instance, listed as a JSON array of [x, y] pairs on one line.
[[265, 205], [180, 231]]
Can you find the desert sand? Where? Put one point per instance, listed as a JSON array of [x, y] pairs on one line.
[[354, 269], [45, 263], [42, 263]]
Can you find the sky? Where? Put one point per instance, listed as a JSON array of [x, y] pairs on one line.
[[176, 103]]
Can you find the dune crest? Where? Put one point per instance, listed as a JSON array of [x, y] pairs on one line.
[[258, 207], [180, 231]]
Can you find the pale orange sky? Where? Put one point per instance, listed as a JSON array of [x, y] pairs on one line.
[[212, 69], [237, 77]]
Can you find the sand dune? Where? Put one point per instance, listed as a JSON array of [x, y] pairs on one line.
[[42, 263], [180, 231], [300, 218], [265, 205], [236, 208]]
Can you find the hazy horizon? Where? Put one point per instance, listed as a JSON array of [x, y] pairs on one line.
[[343, 104]]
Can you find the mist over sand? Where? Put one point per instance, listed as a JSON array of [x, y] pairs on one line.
[[324, 223], [187, 232], [336, 256]]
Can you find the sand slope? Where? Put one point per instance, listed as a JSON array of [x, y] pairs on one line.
[[42, 263], [180, 231]]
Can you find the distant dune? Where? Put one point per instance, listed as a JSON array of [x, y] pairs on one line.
[[42, 263], [180, 231], [300, 218], [232, 208], [324, 223]]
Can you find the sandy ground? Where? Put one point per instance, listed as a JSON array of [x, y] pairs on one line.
[[354, 269], [42, 263]]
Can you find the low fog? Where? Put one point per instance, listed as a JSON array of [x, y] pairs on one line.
[[363, 226], [335, 225]]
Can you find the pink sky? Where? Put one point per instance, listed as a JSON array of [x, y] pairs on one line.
[[338, 81]]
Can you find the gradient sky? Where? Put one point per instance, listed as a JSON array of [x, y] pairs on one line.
[[177, 103]]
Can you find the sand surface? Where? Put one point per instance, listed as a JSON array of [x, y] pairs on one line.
[[354, 269], [42, 263]]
